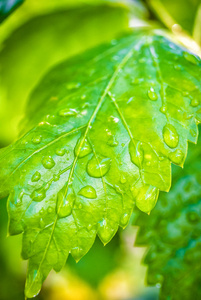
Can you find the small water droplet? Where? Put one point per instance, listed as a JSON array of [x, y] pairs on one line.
[[63, 205], [73, 85], [37, 139], [36, 177], [50, 210], [41, 212], [77, 253], [56, 177], [60, 151], [195, 102], [68, 112], [88, 192], [191, 58], [48, 162], [152, 94], [98, 167], [80, 206], [163, 109], [112, 141], [105, 231], [170, 136], [89, 227], [41, 223], [82, 148], [123, 179], [177, 157], [38, 195]]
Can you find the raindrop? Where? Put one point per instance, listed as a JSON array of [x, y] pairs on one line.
[[56, 177], [124, 220], [152, 94], [38, 195], [98, 167], [170, 136], [63, 205], [82, 148], [36, 177], [48, 162], [195, 102], [191, 58], [37, 139], [177, 157], [105, 232], [163, 109], [146, 197], [50, 210], [88, 192], [123, 179], [68, 112], [60, 151]]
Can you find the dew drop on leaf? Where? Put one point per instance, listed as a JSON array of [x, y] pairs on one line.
[[38, 195], [170, 136], [48, 162], [36, 176], [97, 167], [145, 196], [191, 58], [68, 112], [112, 141], [63, 205], [82, 148], [163, 109], [105, 232], [124, 220], [60, 151], [123, 179], [37, 139], [88, 192], [177, 157], [195, 102], [152, 94]]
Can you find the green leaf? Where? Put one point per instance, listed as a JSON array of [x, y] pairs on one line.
[[7, 7], [101, 132], [50, 34], [173, 231]]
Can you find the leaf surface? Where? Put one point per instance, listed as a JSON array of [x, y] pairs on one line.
[[7, 7], [173, 231], [101, 132]]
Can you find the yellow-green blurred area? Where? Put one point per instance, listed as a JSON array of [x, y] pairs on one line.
[[35, 37]]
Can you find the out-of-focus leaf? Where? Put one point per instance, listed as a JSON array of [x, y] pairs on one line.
[[197, 26], [100, 134], [7, 7], [173, 231], [40, 43]]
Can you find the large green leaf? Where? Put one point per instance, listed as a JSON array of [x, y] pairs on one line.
[[173, 231], [101, 132], [44, 41]]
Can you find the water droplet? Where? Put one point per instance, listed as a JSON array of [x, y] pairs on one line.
[[60, 151], [80, 206], [48, 162], [163, 109], [98, 167], [63, 205], [68, 112], [88, 192], [124, 220], [77, 253], [41, 223], [89, 227], [177, 157], [56, 177], [36, 176], [195, 102], [41, 212], [123, 179], [105, 232], [50, 210], [38, 195], [82, 148], [112, 141], [146, 196], [73, 85], [152, 94], [170, 136], [136, 153], [191, 58], [18, 200], [37, 139]]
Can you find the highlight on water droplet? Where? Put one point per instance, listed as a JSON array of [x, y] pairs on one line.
[[48, 162], [60, 151], [88, 192], [82, 148], [37, 139], [163, 109], [64, 208], [195, 102], [38, 195], [170, 136], [68, 112], [152, 94], [98, 167], [112, 141], [177, 157], [191, 58], [105, 231], [124, 220], [36, 177], [123, 179]]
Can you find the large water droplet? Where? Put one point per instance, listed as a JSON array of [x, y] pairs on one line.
[[63, 205], [82, 148], [98, 167], [195, 102], [177, 157], [88, 192], [48, 162], [136, 153], [124, 220], [38, 195], [170, 136], [152, 94], [60, 151], [36, 176], [105, 231], [68, 112]]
